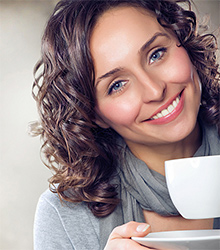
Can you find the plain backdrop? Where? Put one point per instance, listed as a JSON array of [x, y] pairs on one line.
[[22, 175]]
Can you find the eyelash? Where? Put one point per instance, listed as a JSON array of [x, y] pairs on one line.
[[162, 50], [110, 90]]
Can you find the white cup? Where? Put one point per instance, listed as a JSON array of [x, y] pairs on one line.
[[194, 186]]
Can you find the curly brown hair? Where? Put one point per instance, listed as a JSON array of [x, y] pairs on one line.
[[81, 154]]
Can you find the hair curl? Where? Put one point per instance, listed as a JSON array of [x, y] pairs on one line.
[[81, 154]]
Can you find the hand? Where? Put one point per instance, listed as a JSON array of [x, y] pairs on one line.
[[120, 238]]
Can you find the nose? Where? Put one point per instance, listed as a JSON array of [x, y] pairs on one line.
[[152, 87]]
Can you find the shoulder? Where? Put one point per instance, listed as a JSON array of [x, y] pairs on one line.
[[72, 222], [51, 199], [68, 212]]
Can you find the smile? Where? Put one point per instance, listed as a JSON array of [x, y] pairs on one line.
[[169, 113]]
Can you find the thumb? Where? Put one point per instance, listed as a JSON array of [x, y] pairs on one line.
[[130, 229]]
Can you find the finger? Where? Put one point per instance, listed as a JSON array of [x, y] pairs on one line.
[[130, 229]]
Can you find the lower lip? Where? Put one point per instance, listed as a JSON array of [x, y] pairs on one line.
[[171, 116]]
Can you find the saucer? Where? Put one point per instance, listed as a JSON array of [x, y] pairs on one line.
[[182, 240]]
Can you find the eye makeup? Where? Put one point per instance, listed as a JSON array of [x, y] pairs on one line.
[[116, 86], [157, 55]]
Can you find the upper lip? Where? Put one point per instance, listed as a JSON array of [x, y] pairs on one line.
[[165, 106]]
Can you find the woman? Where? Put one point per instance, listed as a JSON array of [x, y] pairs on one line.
[[125, 86]]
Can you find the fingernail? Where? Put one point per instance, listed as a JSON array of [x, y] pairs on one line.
[[142, 228]]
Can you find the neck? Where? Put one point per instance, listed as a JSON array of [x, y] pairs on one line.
[[155, 156]]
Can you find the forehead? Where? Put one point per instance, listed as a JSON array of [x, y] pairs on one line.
[[123, 13], [117, 20], [121, 30]]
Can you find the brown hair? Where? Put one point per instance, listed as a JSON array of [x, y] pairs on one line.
[[81, 154]]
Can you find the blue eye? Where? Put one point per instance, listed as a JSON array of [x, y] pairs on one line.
[[116, 86], [157, 55]]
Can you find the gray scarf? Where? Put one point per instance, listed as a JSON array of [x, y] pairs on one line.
[[142, 188]]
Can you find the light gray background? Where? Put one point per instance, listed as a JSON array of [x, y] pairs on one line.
[[22, 175]]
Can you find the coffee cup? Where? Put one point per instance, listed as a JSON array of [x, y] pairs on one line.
[[194, 186]]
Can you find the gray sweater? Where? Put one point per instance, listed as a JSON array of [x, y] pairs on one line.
[[66, 225]]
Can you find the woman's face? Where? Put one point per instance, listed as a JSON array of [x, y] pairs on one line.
[[146, 86]]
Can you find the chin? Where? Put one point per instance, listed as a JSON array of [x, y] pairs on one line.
[[182, 132]]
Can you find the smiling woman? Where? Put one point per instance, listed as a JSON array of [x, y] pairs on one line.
[[143, 93], [126, 85]]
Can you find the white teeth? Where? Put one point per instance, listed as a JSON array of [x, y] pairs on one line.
[[178, 99], [164, 112], [170, 108], [174, 103]]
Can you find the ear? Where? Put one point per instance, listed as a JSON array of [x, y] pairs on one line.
[[100, 122]]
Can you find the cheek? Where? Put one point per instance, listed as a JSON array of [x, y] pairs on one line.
[[118, 113], [179, 68]]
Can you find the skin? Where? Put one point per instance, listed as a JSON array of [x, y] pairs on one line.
[[146, 86], [140, 70], [120, 236]]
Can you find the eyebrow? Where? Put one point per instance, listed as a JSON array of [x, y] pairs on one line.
[[153, 38], [108, 74], [147, 44]]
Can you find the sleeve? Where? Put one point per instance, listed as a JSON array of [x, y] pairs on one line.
[[49, 233]]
